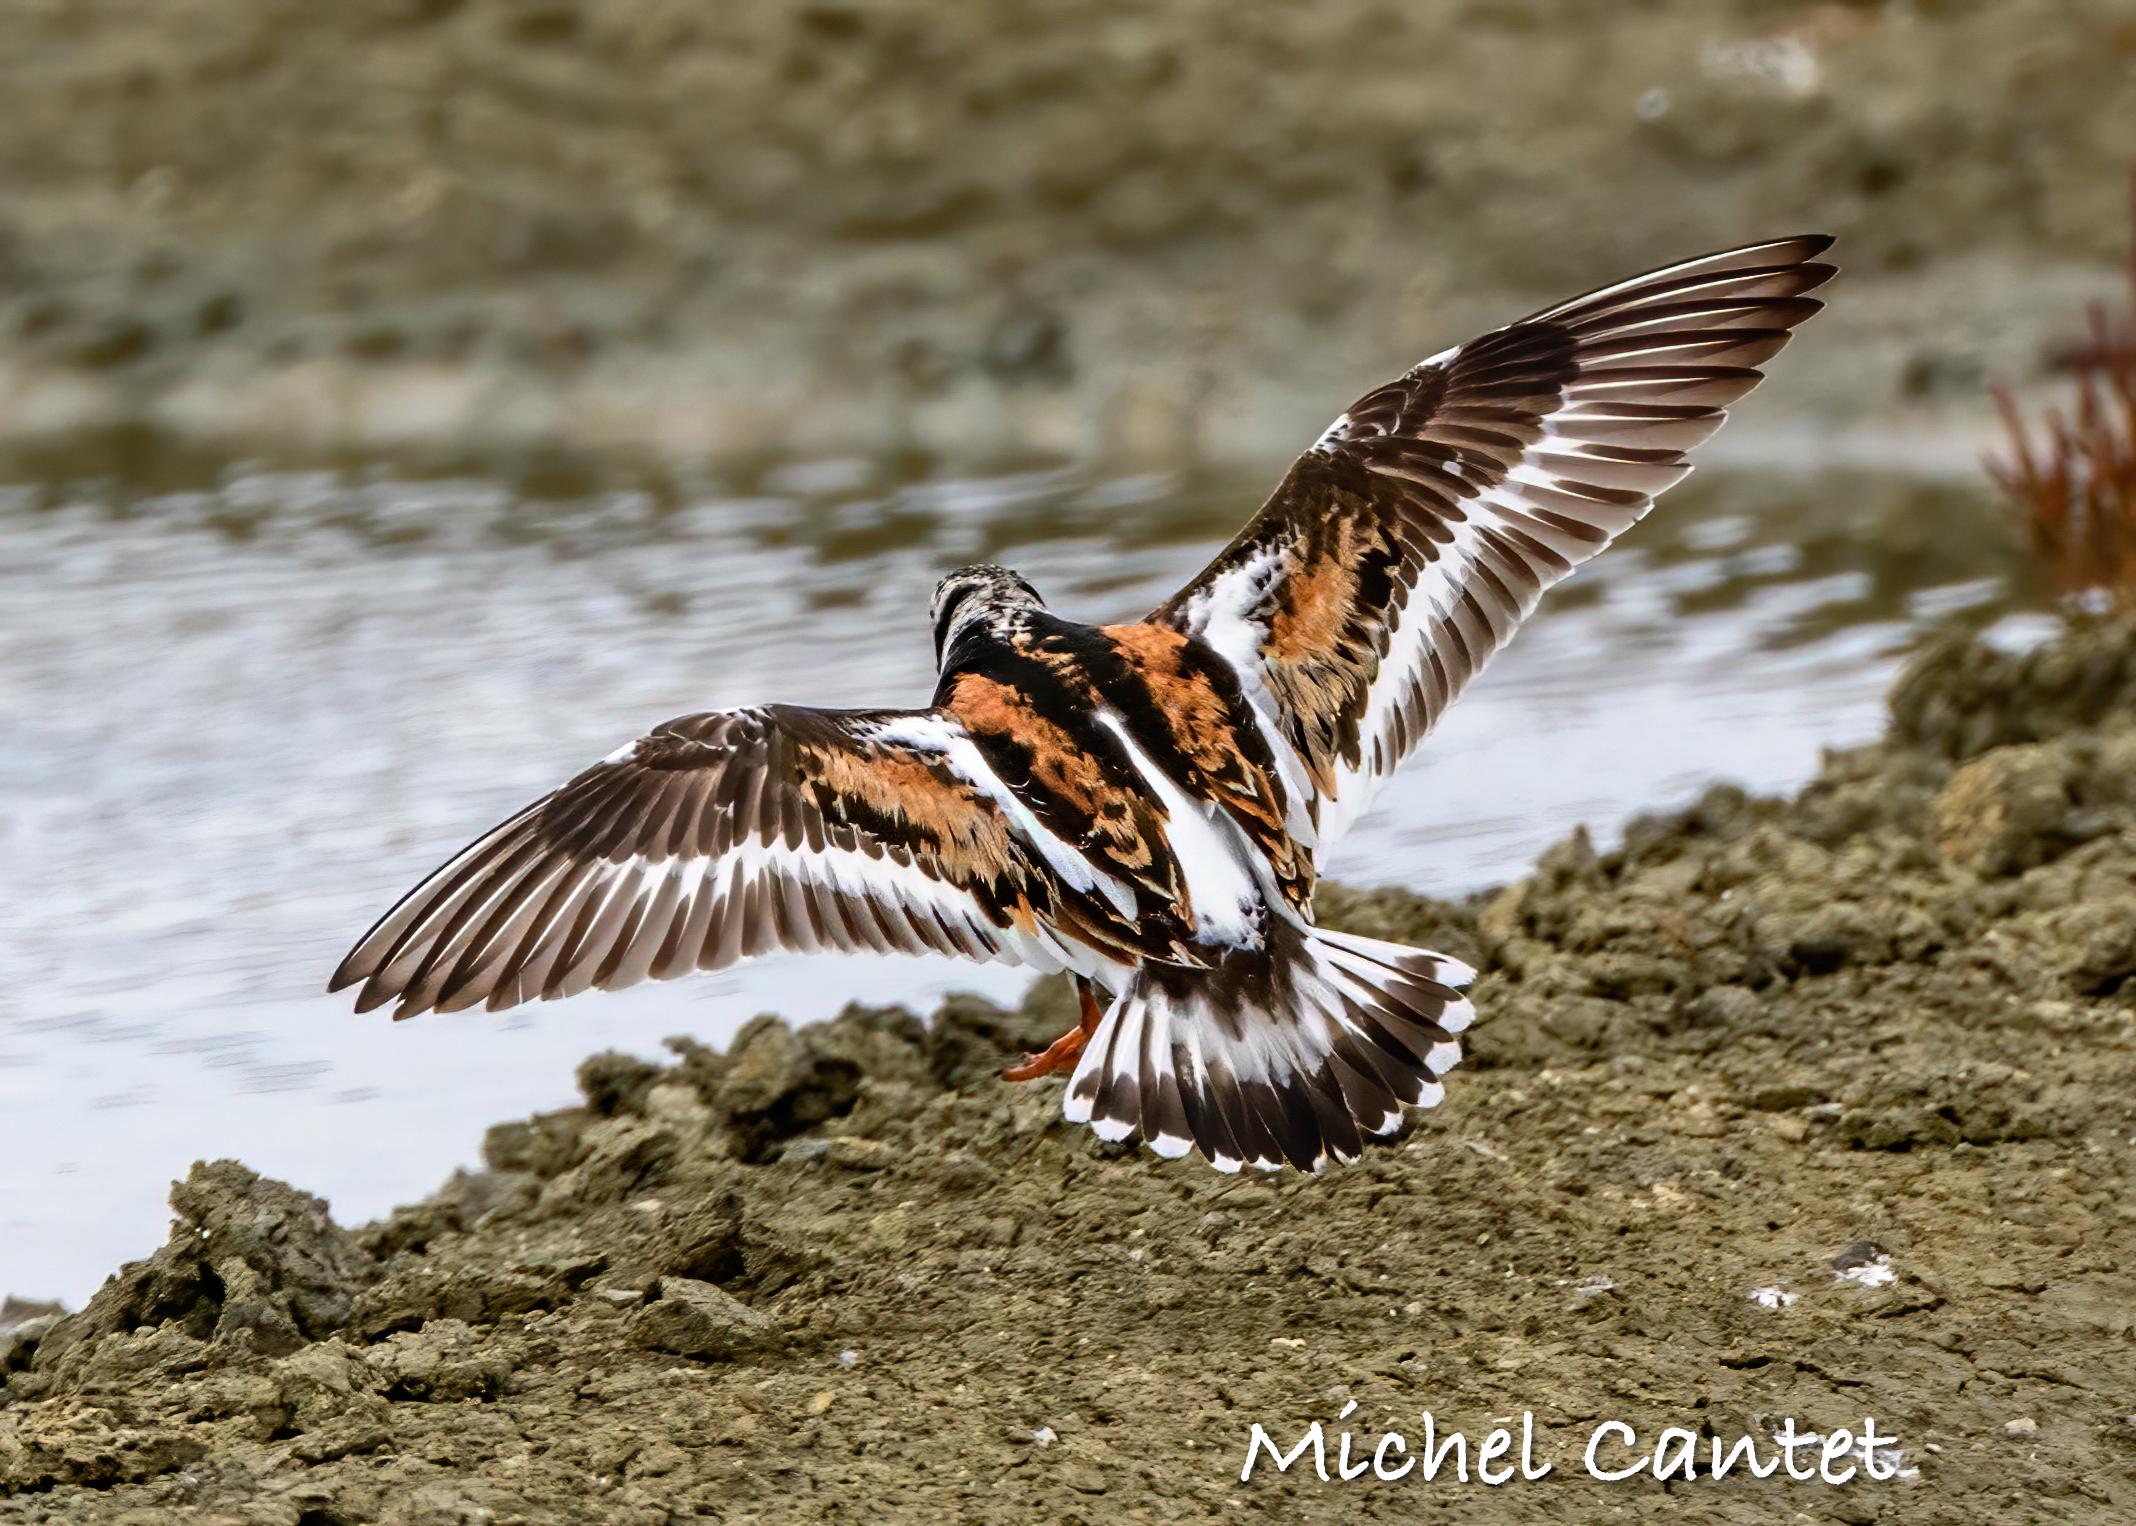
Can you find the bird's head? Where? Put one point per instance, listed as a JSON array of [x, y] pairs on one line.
[[974, 595]]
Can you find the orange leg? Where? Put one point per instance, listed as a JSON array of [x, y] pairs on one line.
[[1063, 1052]]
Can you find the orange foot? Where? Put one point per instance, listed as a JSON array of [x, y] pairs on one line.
[[1064, 1051]]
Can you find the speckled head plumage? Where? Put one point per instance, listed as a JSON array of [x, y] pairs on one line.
[[974, 593]]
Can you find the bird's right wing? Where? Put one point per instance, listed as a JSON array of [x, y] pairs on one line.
[[713, 838], [1410, 542]]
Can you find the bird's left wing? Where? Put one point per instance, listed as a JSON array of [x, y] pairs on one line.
[[1410, 542], [710, 839]]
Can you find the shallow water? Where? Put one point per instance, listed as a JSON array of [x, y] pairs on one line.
[[241, 709]]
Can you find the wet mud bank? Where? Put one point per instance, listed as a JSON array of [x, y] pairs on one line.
[[1812, 1109], [817, 226]]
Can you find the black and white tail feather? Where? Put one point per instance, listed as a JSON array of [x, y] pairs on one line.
[[1299, 1062]]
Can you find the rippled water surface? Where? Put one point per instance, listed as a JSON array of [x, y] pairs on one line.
[[241, 709]]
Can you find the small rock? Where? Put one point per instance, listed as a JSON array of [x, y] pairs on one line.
[[317, 1383], [2102, 940], [856, 1154], [706, 1242], [1082, 1478], [543, 1146], [2023, 1425], [662, 1459], [253, 1318], [779, 1083], [1828, 937], [692, 1318], [822, 1402], [964, 1170], [1571, 862], [1701, 1121], [1723, 1008], [449, 1504], [2001, 813], [1591, 1023], [624, 1157], [613, 1082], [342, 1436], [444, 1361]]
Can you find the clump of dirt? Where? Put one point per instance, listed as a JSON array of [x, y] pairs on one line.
[[1813, 1108]]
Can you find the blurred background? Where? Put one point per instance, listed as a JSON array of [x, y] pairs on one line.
[[404, 402]]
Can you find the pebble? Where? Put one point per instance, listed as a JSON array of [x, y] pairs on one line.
[[1082, 1477], [2023, 1425], [1998, 812], [853, 1153], [692, 1318], [1700, 1121]]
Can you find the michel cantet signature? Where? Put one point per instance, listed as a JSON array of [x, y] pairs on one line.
[[1614, 1452]]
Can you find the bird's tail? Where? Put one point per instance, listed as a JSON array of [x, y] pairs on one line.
[[1296, 1053]]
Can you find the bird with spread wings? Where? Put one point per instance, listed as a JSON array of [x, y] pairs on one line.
[[1145, 805]]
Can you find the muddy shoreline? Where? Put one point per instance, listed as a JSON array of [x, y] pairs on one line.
[[814, 226], [841, 1270]]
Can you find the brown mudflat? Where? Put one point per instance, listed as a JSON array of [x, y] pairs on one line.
[[843, 1272], [814, 225]]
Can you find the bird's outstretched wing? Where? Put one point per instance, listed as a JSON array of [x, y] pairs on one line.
[[1409, 543], [712, 838]]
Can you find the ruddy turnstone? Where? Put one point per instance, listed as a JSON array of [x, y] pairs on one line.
[[1145, 805]]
